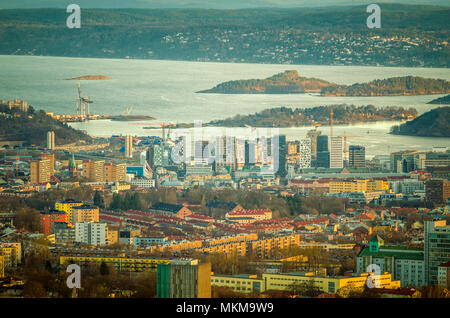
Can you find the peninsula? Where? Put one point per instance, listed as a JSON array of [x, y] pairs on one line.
[[433, 123], [290, 82]]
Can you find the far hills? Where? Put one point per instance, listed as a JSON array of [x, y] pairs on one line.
[[290, 82], [434, 123]]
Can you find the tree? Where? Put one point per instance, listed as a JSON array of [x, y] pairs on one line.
[[98, 200], [104, 269], [34, 289]]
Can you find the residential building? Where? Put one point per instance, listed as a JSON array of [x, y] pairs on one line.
[[327, 284], [40, 171], [143, 182], [51, 140], [84, 213], [248, 284], [92, 233], [130, 264], [48, 218], [437, 191], [184, 279], [2, 266], [176, 210], [444, 275], [437, 248], [67, 206], [129, 146], [63, 232]]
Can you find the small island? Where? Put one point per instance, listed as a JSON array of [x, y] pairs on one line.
[[433, 123], [445, 100], [290, 82], [343, 114], [89, 78]]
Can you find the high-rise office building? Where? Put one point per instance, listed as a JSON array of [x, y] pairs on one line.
[[305, 153], [129, 146], [407, 161], [184, 279], [436, 248], [322, 153], [357, 156], [51, 140], [336, 152], [322, 143], [282, 153]]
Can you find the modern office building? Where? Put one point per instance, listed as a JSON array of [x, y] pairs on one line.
[[436, 247], [357, 157], [184, 279], [51, 140], [407, 161], [336, 152], [48, 218], [92, 233]]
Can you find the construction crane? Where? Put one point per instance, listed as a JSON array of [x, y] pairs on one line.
[[162, 125], [314, 144], [331, 122], [128, 111], [83, 100]]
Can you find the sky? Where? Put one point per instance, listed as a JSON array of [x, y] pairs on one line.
[[214, 4]]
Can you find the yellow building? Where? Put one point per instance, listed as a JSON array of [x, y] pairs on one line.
[[133, 264], [10, 256], [17, 246], [265, 248], [67, 206], [2, 266], [239, 283], [358, 185], [327, 284], [239, 248], [229, 239]]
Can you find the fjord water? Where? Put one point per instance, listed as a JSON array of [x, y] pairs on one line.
[[166, 90]]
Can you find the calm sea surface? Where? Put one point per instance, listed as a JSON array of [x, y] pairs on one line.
[[166, 90]]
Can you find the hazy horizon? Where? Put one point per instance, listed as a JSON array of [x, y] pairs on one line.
[[206, 4]]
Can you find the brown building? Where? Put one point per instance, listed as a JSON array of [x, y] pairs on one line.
[[50, 157], [437, 191], [99, 171], [40, 171]]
